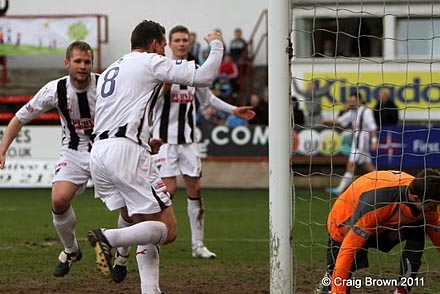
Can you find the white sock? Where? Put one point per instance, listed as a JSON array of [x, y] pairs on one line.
[[147, 257], [65, 226], [196, 215], [122, 223], [143, 233], [345, 181]]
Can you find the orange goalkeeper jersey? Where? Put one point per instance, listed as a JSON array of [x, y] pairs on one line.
[[373, 203]]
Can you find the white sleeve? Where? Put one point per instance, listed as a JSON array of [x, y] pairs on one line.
[[206, 74], [43, 101], [172, 71], [205, 97], [345, 119], [184, 72]]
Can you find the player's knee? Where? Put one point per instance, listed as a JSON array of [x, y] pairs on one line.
[[197, 191], [172, 234], [194, 190], [60, 204]]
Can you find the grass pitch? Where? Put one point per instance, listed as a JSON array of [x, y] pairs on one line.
[[236, 228]]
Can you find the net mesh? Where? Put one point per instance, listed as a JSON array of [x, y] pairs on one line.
[[377, 52]]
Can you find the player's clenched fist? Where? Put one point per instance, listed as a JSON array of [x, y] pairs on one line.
[[214, 35]]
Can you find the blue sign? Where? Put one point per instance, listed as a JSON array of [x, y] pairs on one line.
[[408, 147], [399, 147]]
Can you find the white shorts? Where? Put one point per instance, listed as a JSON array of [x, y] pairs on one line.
[[361, 154], [124, 174], [360, 149], [74, 167], [179, 159], [359, 157]]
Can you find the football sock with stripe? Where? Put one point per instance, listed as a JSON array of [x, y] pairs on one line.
[[147, 257]]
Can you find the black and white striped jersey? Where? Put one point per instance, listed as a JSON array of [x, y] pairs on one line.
[[363, 123], [175, 113], [128, 90], [76, 108]]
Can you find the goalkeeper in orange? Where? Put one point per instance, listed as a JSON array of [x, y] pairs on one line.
[[379, 210]]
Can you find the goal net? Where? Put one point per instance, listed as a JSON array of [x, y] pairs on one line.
[[386, 53]]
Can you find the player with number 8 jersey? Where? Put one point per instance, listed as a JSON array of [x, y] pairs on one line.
[[121, 164]]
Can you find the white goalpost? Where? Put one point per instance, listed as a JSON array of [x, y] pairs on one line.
[[343, 47], [280, 181]]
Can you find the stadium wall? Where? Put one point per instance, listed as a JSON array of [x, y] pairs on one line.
[[254, 174], [225, 15], [237, 157], [244, 174]]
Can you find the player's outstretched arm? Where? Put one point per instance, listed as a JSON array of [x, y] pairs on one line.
[[244, 112], [206, 97], [11, 133]]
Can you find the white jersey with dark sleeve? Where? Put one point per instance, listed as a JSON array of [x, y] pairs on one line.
[[129, 89], [175, 113], [76, 108]]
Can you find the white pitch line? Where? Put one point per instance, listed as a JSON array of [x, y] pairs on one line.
[[8, 209]]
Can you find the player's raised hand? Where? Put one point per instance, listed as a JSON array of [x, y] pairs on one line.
[[244, 112], [214, 35]]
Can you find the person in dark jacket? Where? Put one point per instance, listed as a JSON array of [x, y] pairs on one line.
[[385, 111], [312, 99], [298, 114]]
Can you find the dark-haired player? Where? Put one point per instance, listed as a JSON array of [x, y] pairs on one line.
[[379, 210], [121, 164]]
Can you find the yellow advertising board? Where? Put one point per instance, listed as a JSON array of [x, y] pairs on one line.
[[410, 90]]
